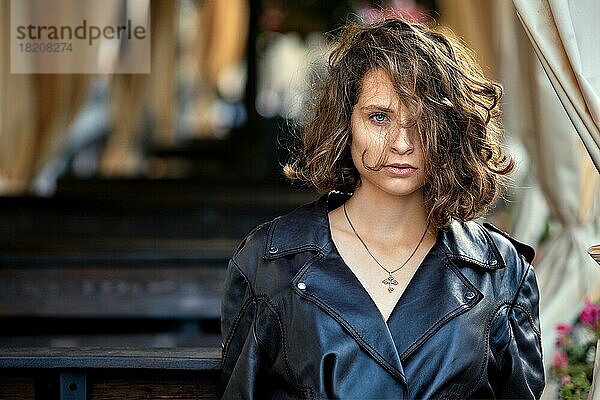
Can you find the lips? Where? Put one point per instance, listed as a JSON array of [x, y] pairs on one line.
[[400, 170], [401, 166]]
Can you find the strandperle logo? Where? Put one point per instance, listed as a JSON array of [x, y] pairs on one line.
[[83, 31], [80, 36]]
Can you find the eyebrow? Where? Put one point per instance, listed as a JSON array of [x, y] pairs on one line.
[[376, 107]]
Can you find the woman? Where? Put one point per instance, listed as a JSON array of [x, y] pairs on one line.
[[384, 288]]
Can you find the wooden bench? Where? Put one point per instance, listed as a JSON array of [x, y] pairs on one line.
[[114, 294], [79, 374]]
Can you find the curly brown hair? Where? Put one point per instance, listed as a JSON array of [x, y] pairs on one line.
[[453, 106]]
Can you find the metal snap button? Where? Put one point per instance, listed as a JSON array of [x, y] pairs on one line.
[[469, 295], [301, 285], [273, 250]]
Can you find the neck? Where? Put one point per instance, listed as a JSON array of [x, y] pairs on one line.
[[384, 217]]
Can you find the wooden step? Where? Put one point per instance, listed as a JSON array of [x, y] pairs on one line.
[[108, 374]]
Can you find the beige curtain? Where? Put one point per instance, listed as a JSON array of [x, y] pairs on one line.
[[133, 94], [223, 32], [472, 22], [122, 155], [221, 44], [163, 78], [517, 58], [17, 127], [564, 35], [35, 112]]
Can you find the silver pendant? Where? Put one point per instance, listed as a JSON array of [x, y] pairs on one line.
[[389, 281]]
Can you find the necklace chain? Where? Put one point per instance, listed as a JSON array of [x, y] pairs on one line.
[[390, 280]]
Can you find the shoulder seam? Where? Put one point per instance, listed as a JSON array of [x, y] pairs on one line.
[[488, 329], [248, 235], [234, 326], [241, 272], [523, 307]]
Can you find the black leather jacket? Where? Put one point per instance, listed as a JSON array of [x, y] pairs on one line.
[[297, 324]]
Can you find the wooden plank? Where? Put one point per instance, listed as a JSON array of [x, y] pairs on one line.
[[126, 292], [163, 385], [242, 193], [194, 338], [57, 251], [28, 373], [112, 221], [16, 386], [30, 384], [131, 212], [194, 359]]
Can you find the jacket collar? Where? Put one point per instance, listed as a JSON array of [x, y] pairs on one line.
[[327, 282], [307, 228]]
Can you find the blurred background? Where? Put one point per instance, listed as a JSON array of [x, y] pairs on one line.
[[122, 196]]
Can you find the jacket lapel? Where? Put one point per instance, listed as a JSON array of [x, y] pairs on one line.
[[329, 284], [437, 293]]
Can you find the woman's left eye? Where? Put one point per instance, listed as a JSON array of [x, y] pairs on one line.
[[379, 118]]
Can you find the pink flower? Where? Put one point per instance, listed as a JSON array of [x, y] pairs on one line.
[[563, 329], [559, 360], [590, 314], [566, 379]]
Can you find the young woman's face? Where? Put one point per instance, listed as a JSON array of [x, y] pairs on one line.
[[377, 131]]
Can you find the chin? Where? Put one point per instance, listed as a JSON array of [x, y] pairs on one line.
[[400, 187], [401, 190]]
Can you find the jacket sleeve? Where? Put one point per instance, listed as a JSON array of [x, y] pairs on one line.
[[241, 358], [522, 371]]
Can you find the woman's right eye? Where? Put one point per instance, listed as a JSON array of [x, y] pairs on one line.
[[378, 118]]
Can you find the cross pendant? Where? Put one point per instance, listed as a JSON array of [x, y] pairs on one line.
[[389, 281]]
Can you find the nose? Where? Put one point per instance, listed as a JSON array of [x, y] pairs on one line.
[[403, 142]]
